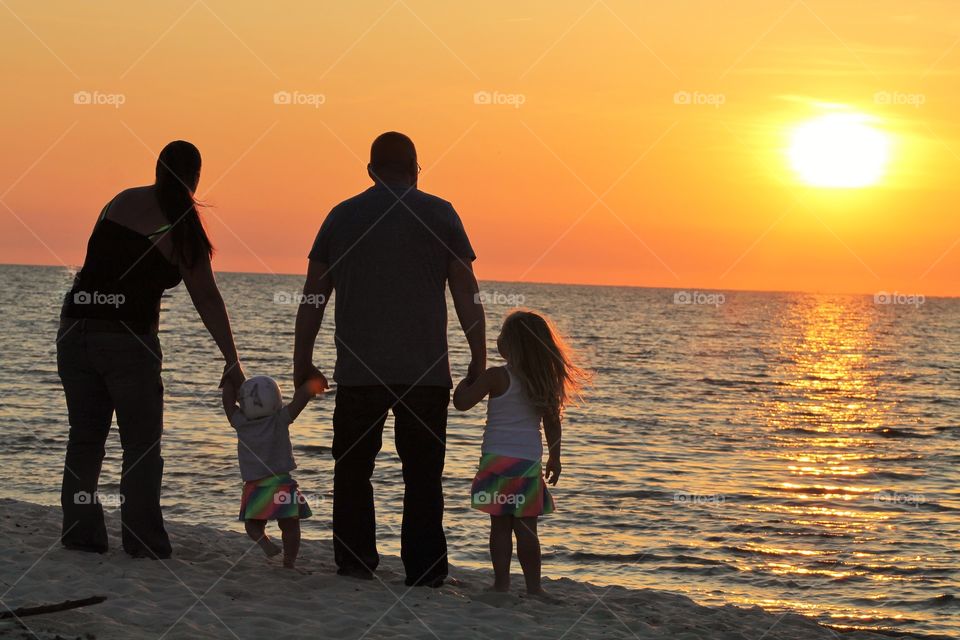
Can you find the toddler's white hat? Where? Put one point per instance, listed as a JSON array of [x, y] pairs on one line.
[[260, 396]]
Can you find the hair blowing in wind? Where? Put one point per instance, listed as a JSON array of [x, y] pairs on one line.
[[543, 361]]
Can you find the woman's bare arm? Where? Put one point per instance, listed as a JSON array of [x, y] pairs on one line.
[[206, 297]]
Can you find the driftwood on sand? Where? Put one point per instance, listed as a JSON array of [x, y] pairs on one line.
[[22, 612]]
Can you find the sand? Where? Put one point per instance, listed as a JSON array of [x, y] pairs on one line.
[[220, 586]]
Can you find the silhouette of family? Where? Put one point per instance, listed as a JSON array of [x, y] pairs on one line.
[[386, 257]]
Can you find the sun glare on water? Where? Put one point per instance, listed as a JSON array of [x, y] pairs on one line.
[[839, 150]]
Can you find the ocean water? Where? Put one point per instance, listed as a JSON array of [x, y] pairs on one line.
[[795, 451]]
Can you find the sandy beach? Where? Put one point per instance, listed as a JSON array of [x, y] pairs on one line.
[[219, 586], [599, 319]]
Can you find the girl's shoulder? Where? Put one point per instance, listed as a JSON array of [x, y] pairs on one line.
[[499, 380]]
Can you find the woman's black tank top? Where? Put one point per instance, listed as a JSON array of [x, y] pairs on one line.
[[123, 277]]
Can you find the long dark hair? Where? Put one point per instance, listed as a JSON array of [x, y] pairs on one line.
[[178, 170]]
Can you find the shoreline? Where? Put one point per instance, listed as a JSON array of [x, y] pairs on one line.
[[218, 585]]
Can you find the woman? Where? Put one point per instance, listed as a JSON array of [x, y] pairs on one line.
[[147, 240]]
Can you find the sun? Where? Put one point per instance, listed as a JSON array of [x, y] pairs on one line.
[[839, 150]]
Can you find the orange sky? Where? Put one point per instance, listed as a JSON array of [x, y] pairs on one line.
[[599, 176]]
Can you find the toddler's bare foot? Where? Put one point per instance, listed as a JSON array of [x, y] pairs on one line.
[[302, 572], [269, 549]]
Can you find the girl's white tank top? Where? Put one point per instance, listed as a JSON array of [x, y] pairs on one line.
[[513, 424]]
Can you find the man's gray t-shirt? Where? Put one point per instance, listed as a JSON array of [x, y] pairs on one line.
[[389, 258]]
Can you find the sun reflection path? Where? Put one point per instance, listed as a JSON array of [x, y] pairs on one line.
[[822, 419]]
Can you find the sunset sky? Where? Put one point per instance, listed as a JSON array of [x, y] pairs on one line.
[[628, 143]]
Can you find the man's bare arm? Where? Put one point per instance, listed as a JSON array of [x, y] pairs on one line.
[[465, 291], [316, 293]]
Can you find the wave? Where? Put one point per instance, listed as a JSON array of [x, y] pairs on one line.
[[893, 432], [312, 448], [897, 475], [615, 557], [680, 563], [752, 385], [945, 600]]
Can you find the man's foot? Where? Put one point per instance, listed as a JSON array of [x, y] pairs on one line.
[[434, 583], [269, 549], [149, 554], [359, 574], [88, 548]]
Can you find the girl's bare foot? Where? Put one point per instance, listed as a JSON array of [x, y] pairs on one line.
[[499, 588], [269, 549], [543, 596]]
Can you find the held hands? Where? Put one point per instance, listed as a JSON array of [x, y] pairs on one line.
[[233, 375], [476, 367], [309, 373], [552, 472]]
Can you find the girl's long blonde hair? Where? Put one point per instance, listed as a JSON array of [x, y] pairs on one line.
[[541, 359]]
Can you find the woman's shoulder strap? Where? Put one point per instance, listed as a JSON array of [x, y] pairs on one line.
[[162, 229], [103, 212]]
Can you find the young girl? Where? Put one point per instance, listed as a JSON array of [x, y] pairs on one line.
[[266, 460], [533, 387]]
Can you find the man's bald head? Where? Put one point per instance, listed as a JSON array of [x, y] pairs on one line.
[[393, 155]]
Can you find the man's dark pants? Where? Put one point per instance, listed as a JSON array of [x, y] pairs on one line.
[[420, 433]]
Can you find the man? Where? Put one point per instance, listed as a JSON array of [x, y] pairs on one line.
[[389, 253]]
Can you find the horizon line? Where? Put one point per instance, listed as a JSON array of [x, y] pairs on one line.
[[571, 284]]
